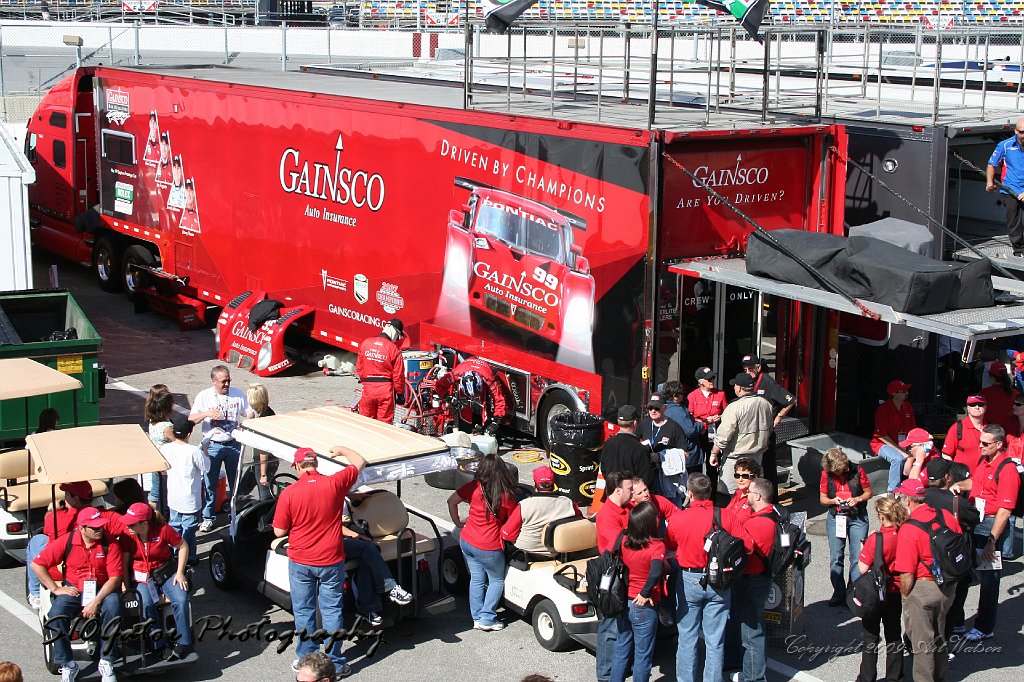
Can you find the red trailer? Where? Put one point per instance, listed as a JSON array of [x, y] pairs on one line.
[[543, 246]]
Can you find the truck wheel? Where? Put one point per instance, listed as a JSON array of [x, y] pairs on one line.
[[548, 627], [221, 572], [135, 254], [106, 258], [454, 572], [555, 404]]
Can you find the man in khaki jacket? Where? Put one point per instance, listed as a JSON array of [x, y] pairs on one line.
[[744, 431]]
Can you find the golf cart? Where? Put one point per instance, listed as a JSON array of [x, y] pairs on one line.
[[101, 453], [249, 554]]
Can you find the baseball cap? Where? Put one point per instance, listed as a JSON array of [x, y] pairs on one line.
[[656, 401], [915, 436], [91, 516], [912, 487], [743, 380], [704, 373], [140, 511], [895, 386], [181, 425], [628, 413], [81, 489], [397, 324], [751, 360], [304, 455], [996, 368], [976, 400], [543, 474], [938, 468]]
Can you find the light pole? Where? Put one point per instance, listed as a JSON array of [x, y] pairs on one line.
[[75, 42]]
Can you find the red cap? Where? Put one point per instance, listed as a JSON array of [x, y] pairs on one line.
[[543, 474], [138, 512], [1018, 359], [895, 386], [976, 400], [912, 487], [996, 368], [81, 489], [914, 437], [91, 516], [304, 455]]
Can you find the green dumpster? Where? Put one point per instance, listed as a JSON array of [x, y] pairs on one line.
[[48, 326]]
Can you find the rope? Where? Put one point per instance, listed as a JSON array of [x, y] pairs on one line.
[[527, 456]]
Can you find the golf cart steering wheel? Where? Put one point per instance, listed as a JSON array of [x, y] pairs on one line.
[[285, 477]]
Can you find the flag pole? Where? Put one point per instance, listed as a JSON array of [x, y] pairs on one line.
[[653, 80]]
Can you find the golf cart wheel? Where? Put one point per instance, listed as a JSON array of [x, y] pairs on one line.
[[54, 668], [548, 627], [221, 572], [454, 572], [6, 560]]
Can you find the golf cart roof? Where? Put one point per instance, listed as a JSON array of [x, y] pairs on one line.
[[92, 452], [24, 378], [391, 452]]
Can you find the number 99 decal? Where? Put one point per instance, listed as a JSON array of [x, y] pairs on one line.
[[545, 278]]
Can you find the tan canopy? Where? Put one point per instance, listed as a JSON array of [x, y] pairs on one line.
[[93, 452], [24, 377]]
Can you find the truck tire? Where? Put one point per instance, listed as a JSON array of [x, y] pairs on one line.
[[136, 254], [558, 402], [221, 571], [548, 627], [106, 261], [454, 572]]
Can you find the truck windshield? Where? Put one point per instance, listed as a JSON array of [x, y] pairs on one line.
[[520, 230]]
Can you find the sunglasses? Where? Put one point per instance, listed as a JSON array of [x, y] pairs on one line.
[[987, 442], [977, 405], [1016, 404], [746, 477], [652, 408]]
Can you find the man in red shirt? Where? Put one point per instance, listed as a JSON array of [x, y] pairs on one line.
[[706, 404], [474, 380], [994, 493], [381, 370], [309, 513], [894, 419], [611, 521], [697, 604], [922, 450], [925, 603], [90, 587], [750, 593], [56, 524], [641, 493], [962, 439]]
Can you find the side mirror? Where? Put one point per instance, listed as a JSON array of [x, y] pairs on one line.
[[457, 218], [576, 249], [582, 265]]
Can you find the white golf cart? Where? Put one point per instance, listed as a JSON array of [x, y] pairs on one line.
[[100, 453], [248, 553]]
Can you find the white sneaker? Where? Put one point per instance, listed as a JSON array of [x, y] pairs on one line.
[[477, 625], [107, 671], [69, 672], [33, 601], [399, 595], [374, 619], [206, 526]]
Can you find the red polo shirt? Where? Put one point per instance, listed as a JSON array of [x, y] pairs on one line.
[[83, 563], [638, 561], [759, 537], [67, 519], [892, 423], [966, 450], [842, 485], [867, 554], [611, 520], [483, 529], [687, 530], [157, 548], [739, 507], [702, 407], [913, 551], [666, 510], [1001, 495], [309, 510]]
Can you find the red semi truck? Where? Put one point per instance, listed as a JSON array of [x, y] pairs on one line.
[[543, 246]]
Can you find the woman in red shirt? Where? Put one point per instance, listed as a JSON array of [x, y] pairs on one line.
[[745, 471], [491, 499], [154, 570], [844, 490], [644, 556], [891, 514]]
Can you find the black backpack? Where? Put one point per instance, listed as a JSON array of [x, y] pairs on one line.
[[608, 580], [952, 555], [727, 556], [791, 547], [867, 594], [1018, 508]]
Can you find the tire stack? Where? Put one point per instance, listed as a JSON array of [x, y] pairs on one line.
[[577, 438]]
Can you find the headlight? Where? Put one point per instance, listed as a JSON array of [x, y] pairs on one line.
[[579, 317], [263, 357], [216, 338]]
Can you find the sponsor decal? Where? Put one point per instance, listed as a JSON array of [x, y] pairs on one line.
[[332, 282], [342, 185], [389, 298], [280, 365], [519, 211], [124, 197], [117, 105], [241, 331], [559, 465], [585, 468], [350, 314], [361, 288], [516, 288], [587, 489], [740, 184]]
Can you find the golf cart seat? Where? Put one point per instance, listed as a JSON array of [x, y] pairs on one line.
[[16, 469], [388, 522]]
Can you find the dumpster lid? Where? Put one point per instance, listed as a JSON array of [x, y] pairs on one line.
[[91, 452], [24, 378], [391, 452]]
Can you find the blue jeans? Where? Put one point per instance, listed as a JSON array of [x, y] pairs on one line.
[[698, 607], [988, 596], [372, 578], [749, 596], [36, 544], [636, 630], [155, 485], [70, 607], [179, 605], [186, 525], [607, 636], [1008, 547], [486, 582], [895, 458], [312, 586], [856, 532], [220, 453]]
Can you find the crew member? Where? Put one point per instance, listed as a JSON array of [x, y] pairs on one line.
[[922, 451], [750, 593], [661, 434], [611, 521], [998, 395], [625, 452], [56, 524], [962, 438], [382, 372], [745, 472], [1010, 154], [372, 576], [893, 421], [693, 430], [475, 381], [641, 493], [744, 430], [782, 401], [706, 405], [309, 513], [525, 526]]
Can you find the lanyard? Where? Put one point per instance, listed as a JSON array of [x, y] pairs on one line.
[[654, 433]]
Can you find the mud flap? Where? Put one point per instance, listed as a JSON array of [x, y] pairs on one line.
[[262, 351]]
